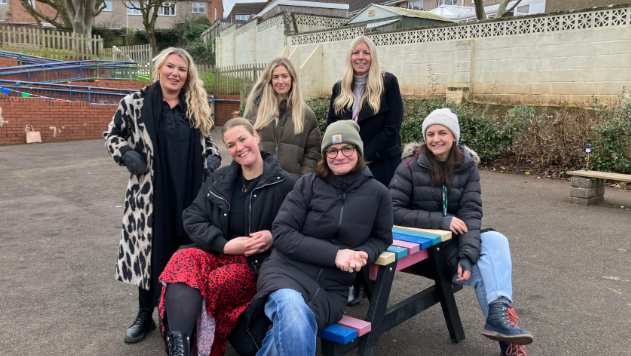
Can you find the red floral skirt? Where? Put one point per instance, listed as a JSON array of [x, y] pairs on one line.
[[227, 285]]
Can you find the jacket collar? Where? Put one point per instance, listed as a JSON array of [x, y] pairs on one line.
[[352, 181], [224, 178], [468, 160]]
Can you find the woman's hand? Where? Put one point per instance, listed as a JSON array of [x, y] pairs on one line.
[[463, 275], [458, 226], [350, 261], [236, 246], [259, 241]]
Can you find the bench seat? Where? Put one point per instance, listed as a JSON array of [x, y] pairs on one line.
[[588, 187]]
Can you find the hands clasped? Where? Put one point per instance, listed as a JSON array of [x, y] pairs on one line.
[[350, 261], [258, 242]]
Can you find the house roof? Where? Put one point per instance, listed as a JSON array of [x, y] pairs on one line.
[[414, 13], [247, 8], [358, 5]]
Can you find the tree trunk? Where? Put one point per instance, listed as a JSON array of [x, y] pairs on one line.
[[479, 10], [151, 35]]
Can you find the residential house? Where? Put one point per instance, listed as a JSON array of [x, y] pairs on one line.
[[116, 14], [216, 10], [331, 8], [563, 5], [244, 11], [13, 12], [379, 18]]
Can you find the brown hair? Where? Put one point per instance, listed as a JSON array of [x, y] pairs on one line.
[[455, 159], [324, 171], [239, 121]]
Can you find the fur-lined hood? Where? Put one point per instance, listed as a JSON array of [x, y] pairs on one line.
[[409, 149]]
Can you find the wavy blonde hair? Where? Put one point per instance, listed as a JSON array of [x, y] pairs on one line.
[[374, 86], [269, 100], [197, 108]]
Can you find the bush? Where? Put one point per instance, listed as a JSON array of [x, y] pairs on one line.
[[611, 145]]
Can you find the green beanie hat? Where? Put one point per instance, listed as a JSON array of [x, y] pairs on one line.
[[344, 131]]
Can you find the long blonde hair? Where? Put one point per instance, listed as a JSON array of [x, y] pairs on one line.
[[269, 100], [374, 86], [197, 109]]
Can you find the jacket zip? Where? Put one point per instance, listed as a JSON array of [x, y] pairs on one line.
[[225, 217], [343, 201], [317, 290], [256, 269]]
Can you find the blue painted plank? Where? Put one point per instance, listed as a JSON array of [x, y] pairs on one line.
[[399, 252], [423, 243], [436, 239], [338, 333]]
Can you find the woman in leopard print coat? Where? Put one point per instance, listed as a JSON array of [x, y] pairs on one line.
[[162, 135]]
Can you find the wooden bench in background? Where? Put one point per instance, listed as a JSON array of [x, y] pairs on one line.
[[588, 187], [416, 251]]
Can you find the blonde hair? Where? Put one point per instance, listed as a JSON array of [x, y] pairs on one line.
[[197, 109], [269, 100], [374, 86], [237, 121]]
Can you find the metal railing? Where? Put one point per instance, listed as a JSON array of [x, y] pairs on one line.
[[25, 59], [71, 71]]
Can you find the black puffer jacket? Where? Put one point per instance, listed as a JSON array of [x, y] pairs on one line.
[[317, 219], [206, 221], [416, 203]]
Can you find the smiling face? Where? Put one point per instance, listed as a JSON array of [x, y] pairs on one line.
[[439, 141], [341, 164], [281, 81], [243, 146], [173, 73], [360, 59]]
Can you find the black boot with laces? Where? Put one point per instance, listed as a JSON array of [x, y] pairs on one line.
[[178, 344], [141, 326]]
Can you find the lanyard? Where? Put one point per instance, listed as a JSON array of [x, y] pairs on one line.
[[444, 200]]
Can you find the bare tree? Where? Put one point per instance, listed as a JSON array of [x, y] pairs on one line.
[[149, 10], [501, 10], [71, 15]]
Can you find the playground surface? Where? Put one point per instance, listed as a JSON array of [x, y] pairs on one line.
[[61, 209]]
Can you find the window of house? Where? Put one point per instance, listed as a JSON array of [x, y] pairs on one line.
[[523, 9], [215, 14], [134, 11], [3, 1], [108, 6], [242, 17], [167, 9], [447, 2], [199, 8], [416, 5]]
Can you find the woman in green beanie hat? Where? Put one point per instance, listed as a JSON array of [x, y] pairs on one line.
[[332, 224]]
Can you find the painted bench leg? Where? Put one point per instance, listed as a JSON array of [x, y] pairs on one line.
[[446, 295]]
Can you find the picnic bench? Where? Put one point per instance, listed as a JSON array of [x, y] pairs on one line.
[[416, 251], [588, 187]]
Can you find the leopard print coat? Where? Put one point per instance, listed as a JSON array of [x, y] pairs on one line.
[[128, 131]]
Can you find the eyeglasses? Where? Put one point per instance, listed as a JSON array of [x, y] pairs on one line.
[[347, 151]]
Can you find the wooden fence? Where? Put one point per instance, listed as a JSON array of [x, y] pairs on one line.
[[50, 43], [141, 54], [230, 80]]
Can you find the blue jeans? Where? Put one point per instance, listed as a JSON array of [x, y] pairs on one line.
[[295, 327], [491, 276]]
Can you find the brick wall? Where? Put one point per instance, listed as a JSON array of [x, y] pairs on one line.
[[224, 109], [8, 62], [19, 13], [56, 121], [118, 84]]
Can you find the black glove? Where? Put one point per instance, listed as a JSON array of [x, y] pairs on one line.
[[465, 264], [213, 162], [134, 163]]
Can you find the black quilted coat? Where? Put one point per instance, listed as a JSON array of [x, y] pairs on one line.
[[317, 219], [416, 203]]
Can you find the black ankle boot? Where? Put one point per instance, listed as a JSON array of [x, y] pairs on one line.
[[141, 326], [178, 344], [358, 294]]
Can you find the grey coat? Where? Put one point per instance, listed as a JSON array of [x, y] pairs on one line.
[[297, 154], [416, 203]]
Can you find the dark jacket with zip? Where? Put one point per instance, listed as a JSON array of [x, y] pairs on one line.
[[417, 203], [317, 219], [379, 131], [206, 220], [297, 154]]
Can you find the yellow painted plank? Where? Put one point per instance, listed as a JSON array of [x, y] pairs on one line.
[[386, 258], [444, 234], [601, 175]]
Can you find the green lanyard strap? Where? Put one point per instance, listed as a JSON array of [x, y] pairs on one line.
[[444, 200]]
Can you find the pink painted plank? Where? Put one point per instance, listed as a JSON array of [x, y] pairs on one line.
[[412, 247], [363, 327], [405, 262]]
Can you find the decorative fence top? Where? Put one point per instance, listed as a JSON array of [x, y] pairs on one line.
[[276, 20], [248, 26], [229, 30], [516, 26], [316, 20]]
